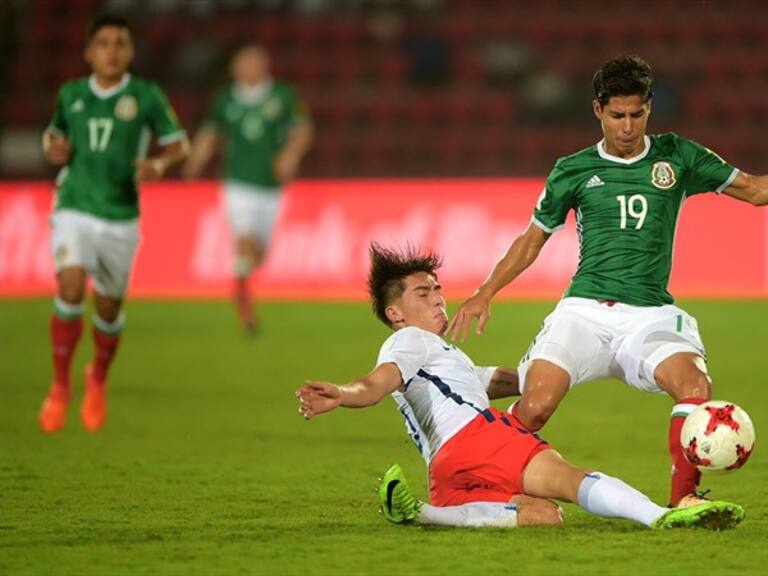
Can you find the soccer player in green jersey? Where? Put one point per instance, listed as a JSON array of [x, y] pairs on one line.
[[265, 130], [99, 135], [617, 318]]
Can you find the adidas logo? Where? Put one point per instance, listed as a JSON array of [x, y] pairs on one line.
[[594, 181]]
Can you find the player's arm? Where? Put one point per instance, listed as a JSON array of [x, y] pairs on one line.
[[520, 255], [297, 144], [204, 147], [318, 397], [56, 146], [165, 125], [155, 167], [749, 188], [504, 383]]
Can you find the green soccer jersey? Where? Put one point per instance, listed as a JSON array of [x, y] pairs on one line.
[[254, 127], [108, 131], [626, 213]]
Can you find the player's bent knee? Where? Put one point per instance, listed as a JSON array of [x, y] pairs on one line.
[[536, 412], [699, 386], [71, 293]]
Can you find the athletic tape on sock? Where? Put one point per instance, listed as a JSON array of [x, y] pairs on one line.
[[67, 311], [110, 328]]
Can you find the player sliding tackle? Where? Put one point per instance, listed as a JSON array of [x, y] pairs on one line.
[[485, 468]]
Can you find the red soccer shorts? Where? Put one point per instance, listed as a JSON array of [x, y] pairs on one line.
[[483, 462]]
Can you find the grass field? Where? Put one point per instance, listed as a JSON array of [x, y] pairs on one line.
[[205, 467]]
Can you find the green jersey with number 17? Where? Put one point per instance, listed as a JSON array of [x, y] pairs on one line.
[[108, 130], [626, 213]]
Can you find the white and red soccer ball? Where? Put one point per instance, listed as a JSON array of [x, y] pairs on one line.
[[718, 435]]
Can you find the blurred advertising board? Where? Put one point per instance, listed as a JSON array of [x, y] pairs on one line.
[[319, 249]]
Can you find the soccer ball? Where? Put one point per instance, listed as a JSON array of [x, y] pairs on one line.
[[718, 435]]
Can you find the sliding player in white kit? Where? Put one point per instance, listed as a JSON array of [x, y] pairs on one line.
[[485, 468]]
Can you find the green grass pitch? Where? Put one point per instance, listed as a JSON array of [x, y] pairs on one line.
[[205, 466]]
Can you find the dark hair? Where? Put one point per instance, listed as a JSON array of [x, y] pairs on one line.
[[104, 21], [389, 268], [623, 76]]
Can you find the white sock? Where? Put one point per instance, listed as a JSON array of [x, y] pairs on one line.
[[611, 498], [474, 514]]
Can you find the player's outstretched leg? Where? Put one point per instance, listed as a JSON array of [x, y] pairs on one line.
[[106, 337], [709, 515], [685, 476], [66, 328], [398, 504]]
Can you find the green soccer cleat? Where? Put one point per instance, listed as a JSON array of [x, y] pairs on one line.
[[398, 504], [708, 515]]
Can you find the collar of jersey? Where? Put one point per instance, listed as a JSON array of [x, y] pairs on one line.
[[109, 92], [612, 158], [252, 95]]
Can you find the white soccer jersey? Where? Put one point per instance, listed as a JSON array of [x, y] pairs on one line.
[[442, 389]]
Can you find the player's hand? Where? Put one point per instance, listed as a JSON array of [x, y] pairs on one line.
[[317, 397], [478, 306], [286, 166], [150, 168], [57, 149]]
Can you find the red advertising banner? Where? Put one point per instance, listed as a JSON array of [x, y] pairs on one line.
[[320, 246]]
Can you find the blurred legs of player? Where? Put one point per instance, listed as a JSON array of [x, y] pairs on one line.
[[251, 212], [249, 254], [66, 328], [85, 245], [107, 324]]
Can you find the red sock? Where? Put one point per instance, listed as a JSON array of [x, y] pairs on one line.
[[105, 348], [243, 301], [685, 476], [64, 337]]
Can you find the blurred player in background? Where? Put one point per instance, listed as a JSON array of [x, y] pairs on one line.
[[617, 318], [265, 132], [485, 468], [99, 135]]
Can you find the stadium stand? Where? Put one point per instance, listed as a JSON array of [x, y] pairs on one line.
[[418, 88]]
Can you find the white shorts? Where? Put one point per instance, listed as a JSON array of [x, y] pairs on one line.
[[252, 211], [104, 248], [592, 340]]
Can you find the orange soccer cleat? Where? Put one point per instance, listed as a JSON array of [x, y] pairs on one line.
[[93, 412], [53, 413]]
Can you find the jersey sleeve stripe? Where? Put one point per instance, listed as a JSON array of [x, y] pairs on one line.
[[546, 229], [728, 182], [171, 138]]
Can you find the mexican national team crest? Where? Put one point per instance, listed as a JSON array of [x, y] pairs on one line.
[[126, 108], [272, 108], [663, 176]]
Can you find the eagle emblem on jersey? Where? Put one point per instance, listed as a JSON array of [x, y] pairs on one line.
[[272, 108], [663, 176], [126, 108]]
